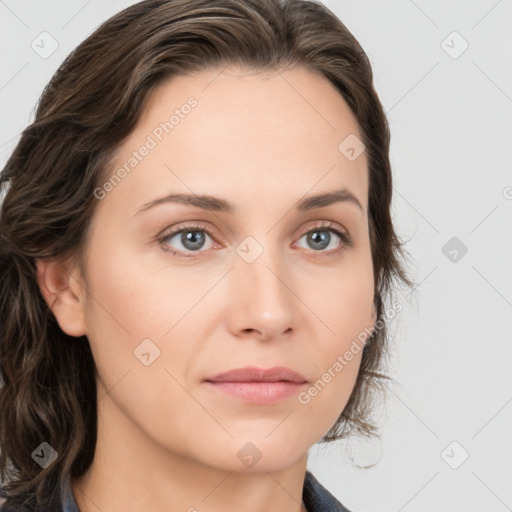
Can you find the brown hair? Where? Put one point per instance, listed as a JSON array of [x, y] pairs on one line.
[[90, 106]]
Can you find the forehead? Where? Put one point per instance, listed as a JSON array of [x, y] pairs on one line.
[[240, 102], [247, 133]]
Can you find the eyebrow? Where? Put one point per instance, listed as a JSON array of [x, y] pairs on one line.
[[215, 204]]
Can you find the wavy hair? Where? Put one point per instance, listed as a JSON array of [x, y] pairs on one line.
[[92, 103]]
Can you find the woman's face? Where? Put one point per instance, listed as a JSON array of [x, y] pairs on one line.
[[264, 283]]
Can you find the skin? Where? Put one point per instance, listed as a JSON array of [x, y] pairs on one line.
[[167, 442]]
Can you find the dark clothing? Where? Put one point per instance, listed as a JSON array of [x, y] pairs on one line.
[[316, 498]]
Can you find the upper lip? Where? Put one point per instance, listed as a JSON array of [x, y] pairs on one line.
[[253, 374]]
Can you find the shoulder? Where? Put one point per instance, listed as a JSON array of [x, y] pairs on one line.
[[317, 498]]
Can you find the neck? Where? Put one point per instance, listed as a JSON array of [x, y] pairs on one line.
[[148, 476]]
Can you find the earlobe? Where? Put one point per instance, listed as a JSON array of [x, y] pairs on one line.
[[64, 295]]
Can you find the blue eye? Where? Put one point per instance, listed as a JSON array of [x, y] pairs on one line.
[[193, 238], [319, 238]]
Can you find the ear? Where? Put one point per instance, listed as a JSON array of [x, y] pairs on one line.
[[63, 291]]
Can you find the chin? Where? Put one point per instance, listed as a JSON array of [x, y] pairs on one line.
[[254, 454]]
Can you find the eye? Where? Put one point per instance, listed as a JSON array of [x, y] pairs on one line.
[[321, 237], [192, 238]]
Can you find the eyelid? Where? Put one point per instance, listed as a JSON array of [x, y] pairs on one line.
[[325, 224], [182, 226]]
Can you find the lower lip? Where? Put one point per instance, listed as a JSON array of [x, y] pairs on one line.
[[259, 392]]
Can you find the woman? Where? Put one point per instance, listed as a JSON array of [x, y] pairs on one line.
[[196, 249]]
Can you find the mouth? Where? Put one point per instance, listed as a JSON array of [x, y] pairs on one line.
[[258, 386]]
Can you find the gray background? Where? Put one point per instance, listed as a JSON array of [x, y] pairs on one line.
[[450, 114]]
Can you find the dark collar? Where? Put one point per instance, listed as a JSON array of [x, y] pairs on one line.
[[317, 498]]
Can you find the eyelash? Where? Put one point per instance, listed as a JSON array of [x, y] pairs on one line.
[[346, 240]]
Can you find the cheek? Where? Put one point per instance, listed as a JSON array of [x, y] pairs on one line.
[[135, 296], [343, 302], [326, 397], [132, 307], [344, 306], [140, 305]]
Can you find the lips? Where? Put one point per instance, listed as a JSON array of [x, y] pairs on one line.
[[253, 374]]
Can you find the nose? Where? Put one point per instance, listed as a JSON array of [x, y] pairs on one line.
[[263, 304]]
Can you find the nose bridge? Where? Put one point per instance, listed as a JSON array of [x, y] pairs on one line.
[[261, 290], [264, 277]]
